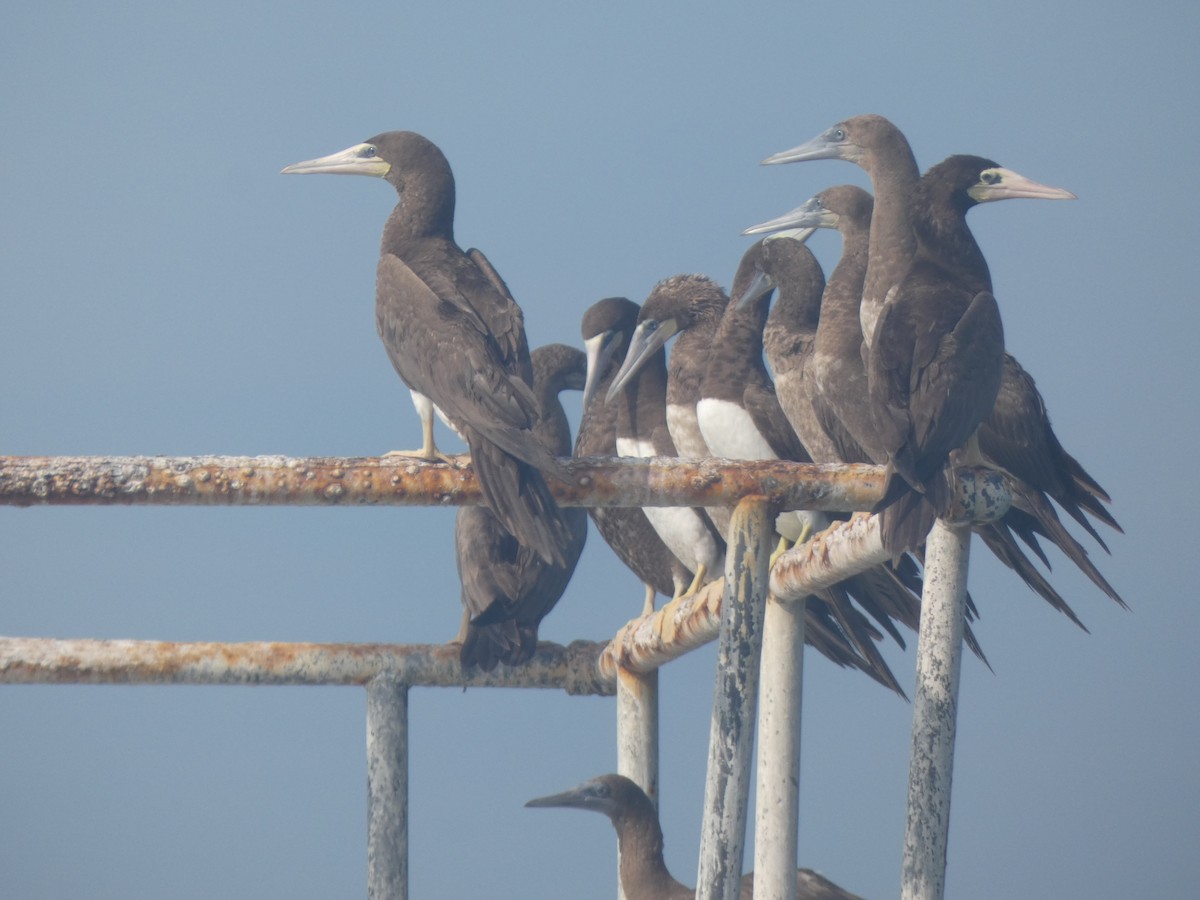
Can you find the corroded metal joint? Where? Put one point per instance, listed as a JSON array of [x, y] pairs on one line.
[[980, 496]]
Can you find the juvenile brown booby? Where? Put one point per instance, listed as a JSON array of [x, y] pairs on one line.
[[455, 336], [883, 152], [821, 349], [691, 307], [641, 399], [606, 328], [643, 872], [507, 589]]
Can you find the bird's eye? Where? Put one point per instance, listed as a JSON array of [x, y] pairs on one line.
[[602, 790], [651, 326], [369, 150], [839, 134], [989, 176]]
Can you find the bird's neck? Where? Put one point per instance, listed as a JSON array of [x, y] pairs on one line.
[[422, 213], [641, 401], [946, 241], [892, 241], [644, 874]]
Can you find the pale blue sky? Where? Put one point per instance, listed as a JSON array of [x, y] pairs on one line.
[[163, 290]]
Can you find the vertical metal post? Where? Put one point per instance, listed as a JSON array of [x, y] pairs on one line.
[[731, 738], [387, 786], [637, 735], [935, 706], [777, 793]]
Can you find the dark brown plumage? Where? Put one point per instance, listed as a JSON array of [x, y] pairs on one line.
[[935, 365], [506, 588], [643, 871]]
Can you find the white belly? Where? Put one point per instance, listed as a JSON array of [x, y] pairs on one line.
[[729, 431], [680, 527]]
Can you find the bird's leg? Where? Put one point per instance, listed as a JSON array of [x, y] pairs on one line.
[[462, 629], [701, 571], [648, 603], [783, 547], [429, 450]]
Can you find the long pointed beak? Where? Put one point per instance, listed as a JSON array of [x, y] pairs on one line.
[[569, 798], [1012, 185], [641, 348], [599, 350], [762, 283], [811, 214], [826, 145], [357, 160]]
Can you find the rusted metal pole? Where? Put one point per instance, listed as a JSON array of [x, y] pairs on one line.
[[387, 788], [777, 792], [637, 736], [731, 738], [637, 730], [48, 661], [935, 708], [980, 498], [321, 481]]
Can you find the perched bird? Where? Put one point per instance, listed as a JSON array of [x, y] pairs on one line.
[[643, 872], [691, 307], [815, 349], [606, 328], [641, 400], [456, 337], [935, 365], [506, 588]]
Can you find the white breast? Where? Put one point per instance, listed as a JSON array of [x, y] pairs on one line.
[[729, 431]]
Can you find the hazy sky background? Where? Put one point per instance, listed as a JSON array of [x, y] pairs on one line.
[[164, 290]]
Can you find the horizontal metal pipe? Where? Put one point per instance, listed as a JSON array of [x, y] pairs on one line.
[[320, 481], [651, 640], [847, 548], [48, 661]]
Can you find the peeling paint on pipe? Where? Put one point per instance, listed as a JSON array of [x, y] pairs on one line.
[[351, 481]]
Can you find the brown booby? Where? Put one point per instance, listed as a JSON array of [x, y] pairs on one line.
[[606, 328], [507, 589], [691, 307], [819, 350], [643, 872], [455, 335]]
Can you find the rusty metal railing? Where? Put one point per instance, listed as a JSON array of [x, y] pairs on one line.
[[625, 665]]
